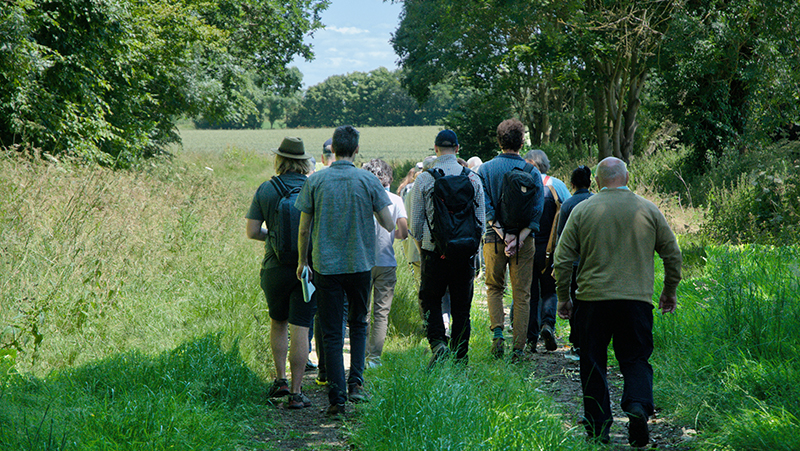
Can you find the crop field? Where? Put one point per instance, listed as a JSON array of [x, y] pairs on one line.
[[389, 143]]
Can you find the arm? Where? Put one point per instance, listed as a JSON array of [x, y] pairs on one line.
[[303, 237], [384, 218], [566, 253], [255, 231], [401, 230]]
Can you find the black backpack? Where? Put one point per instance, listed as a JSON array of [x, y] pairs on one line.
[[456, 231], [282, 233], [518, 196]]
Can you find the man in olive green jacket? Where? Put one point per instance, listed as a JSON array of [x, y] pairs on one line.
[[615, 233]]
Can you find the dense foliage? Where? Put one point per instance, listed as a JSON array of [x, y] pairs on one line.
[[578, 72], [104, 80], [368, 99]]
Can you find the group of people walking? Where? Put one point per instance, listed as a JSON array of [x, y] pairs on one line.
[[581, 257]]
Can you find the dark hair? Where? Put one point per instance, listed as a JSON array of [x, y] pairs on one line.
[[581, 177], [510, 134], [345, 141], [381, 169]]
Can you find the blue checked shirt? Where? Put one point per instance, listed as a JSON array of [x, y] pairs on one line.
[[492, 174], [421, 200]]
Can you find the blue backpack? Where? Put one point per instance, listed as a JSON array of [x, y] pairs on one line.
[[282, 233]]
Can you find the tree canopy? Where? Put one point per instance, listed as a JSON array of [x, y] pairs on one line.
[[104, 80]]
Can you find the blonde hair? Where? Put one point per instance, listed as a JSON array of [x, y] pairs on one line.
[[284, 165]]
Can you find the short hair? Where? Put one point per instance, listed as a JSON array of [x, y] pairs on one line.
[[614, 169], [381, 169], [345, 141], [284, 165], [510, 134], [581, 177], [540, 159]]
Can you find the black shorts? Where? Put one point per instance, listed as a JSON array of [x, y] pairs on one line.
[[285, 296]]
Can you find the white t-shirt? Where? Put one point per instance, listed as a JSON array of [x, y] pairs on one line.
[[384, 250]]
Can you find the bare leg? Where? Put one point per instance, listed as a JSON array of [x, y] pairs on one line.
[[298, 355], [279, 343]]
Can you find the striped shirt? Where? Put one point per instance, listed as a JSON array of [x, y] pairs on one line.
[[421, 196]]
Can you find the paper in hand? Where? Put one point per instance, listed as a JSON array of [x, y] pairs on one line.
[[308, 287]]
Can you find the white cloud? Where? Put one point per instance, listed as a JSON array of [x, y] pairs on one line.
[[347, 30]]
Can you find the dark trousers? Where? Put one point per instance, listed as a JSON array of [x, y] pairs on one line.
[[438, 275], [544, 300], [630, 325], [573, 330], [332, 290]]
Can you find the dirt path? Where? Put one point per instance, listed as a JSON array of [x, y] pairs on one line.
[[310, 429]]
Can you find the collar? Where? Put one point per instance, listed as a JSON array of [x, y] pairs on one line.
[[342, 163], [619, 187]]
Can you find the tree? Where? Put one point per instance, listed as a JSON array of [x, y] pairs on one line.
[[103, 80], [730, 74], [373, 98]]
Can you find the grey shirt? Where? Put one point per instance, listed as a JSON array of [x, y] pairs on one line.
[[342, 200]]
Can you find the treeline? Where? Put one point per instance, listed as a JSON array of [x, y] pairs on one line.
[[105, 80], [604, 78]]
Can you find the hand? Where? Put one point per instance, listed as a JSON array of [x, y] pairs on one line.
[[565, 309], [667, 303], [511, 245], [300, 267]]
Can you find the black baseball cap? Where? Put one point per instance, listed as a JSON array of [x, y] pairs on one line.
[[446, 138]]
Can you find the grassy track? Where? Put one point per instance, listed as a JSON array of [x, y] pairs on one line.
[[132, 319]]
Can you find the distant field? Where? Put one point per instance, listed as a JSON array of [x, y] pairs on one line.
[[389, 143]]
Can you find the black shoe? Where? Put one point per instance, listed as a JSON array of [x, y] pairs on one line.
[[357, 394], [310, 366], [298, 401], [279, 389], [638, 434], [549, 337], [335, 410], [439, 352]]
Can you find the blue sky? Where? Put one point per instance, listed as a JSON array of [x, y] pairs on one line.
[[355, 39]]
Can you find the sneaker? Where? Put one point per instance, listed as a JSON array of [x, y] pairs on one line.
[[298, 401], [373, 362], [279, 389], [356, 393], [638, 435], [335, 410], [518, 355], [549, 337], [498, 348], [321, 381], [439, 352], [573, 354], [310, 366]]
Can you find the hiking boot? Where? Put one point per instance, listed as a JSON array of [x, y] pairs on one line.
[[321, 381], [498, 348], [335, 410], [439, 352], [310, 366], [638, 435], [518, 355], [549, 337], [573, 354], [530, 348], [279, 389], [298, 401], [357, 394]]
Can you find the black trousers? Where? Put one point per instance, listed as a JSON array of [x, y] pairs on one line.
[[630, 325], [439, 274]]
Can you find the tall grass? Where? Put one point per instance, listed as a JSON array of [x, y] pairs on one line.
[[734, 346]]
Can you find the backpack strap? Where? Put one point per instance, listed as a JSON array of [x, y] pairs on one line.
[[545, 180], [551, 241], [279, 186]]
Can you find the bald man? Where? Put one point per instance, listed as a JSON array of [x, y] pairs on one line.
[[616, 233]]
